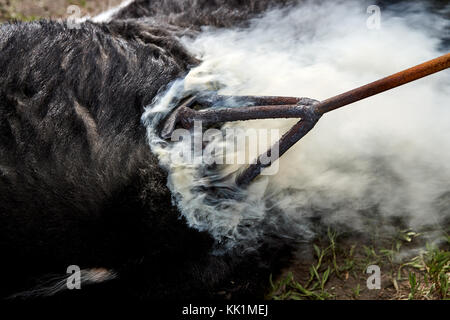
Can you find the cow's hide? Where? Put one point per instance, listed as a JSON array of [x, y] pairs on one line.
[[78, 183]]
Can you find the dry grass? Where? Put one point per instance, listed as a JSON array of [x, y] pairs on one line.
[[410, 269]]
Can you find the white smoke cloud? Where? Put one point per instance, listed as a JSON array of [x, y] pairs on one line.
[[387, 156]]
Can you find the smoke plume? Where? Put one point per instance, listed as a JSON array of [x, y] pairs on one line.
[[379, 161]]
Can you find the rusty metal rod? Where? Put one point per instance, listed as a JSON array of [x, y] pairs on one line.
[[304, 126], [388, 83], [261, 108], [211, 116], [208, 100]]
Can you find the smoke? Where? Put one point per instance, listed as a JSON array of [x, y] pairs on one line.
[[382, 160]]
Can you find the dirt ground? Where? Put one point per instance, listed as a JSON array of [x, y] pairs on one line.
[[336, 268], [27, 10]]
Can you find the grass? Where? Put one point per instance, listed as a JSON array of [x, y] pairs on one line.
[[319, 274], [357, 291], [81, 3], [433, 265], [14, 10], [338, 270], [9, 13], [414, 284]]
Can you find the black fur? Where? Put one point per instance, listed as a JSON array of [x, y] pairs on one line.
[[78, 183], [196, 13]]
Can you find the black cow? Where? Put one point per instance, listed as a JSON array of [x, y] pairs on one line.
[[78, 182]]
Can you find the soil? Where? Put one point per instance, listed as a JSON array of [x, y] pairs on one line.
[[343, 287]]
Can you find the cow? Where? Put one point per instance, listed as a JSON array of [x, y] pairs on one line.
[[79, 184]]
